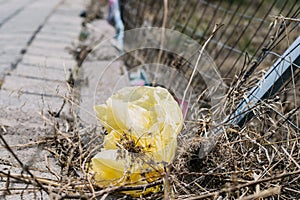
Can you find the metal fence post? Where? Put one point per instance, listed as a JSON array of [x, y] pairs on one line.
[[276, 77]]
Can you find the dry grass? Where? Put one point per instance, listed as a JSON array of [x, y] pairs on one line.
[[260, 160]]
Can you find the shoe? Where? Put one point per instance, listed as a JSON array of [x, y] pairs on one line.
[[138, 78]]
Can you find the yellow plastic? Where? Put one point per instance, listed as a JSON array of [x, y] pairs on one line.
[[142, 124]]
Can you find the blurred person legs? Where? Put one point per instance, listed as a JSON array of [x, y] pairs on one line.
[[114, 19]]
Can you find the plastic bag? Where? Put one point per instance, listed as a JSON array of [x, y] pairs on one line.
[[142, 125]]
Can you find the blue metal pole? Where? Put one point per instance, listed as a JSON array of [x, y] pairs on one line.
[[276, 77]]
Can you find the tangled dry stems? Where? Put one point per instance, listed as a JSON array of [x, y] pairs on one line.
[[260, 160]]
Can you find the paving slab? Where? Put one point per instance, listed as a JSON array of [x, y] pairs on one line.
[[60, 32], [10, 50], [69, 27], [9, 58], [56, 53], [30, 18], [56, 39], [41, 72], [24, 120], [43, 29], [48, 45], [60, 28], [27, 109], [22, 21], [9, 8], [54, 26], [52, 62], [19, 39], [35, 86], [65, 19]]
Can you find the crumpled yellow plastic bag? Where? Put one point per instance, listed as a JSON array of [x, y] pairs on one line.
[[142, 124]]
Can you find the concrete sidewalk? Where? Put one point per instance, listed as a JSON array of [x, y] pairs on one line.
[[103, 71], [34, 68], [34, 61]]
